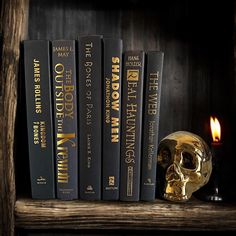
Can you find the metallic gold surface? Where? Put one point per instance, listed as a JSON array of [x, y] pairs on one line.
[[184, 164]]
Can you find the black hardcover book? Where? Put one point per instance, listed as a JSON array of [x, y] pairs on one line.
[[112, 65], [90, 115], [65, 118], [153, 81], [39, 118], [132, 103]]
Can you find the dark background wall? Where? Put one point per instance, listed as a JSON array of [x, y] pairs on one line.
[[196, 37]]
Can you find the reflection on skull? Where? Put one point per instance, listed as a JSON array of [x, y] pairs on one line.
[[184, 164]]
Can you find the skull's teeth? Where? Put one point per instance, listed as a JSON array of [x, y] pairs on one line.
[[175, 198]]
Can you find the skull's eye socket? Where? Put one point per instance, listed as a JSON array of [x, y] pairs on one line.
[[164, 156], [188, 161]]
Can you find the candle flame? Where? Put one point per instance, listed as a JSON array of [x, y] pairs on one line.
[[215, 129]]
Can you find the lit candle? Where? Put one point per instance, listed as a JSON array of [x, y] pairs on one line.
[[212, 191], [215, 130], [216, 145], [216, 149]]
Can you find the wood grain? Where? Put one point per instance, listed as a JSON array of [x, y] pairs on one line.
[[13, 26], [159, 215]]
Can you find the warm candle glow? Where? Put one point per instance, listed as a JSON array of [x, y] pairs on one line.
[[215, 129]]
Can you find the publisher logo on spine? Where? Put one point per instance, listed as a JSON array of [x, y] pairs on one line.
[[132, 75], [111, 180]]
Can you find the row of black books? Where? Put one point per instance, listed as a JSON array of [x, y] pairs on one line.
[[92, 117]]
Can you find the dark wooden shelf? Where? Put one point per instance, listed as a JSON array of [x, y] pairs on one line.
[[158, 215]]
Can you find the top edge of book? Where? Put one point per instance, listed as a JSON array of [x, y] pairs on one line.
[[154, 51], [134, 51], [63, 40], [35, 40], [112, 38], [90, 35]]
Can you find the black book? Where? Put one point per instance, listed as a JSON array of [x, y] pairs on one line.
[[39, 118], [65, 118], [112, 65], [90, 115], [132, 101], [153, 81]]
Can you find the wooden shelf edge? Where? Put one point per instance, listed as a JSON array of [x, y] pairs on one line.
[[158, 215]]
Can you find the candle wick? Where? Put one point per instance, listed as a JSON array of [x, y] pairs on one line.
[[216, 140]]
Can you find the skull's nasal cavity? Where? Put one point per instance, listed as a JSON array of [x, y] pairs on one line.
[[173, 172]]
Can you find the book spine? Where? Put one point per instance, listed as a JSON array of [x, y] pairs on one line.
[[65, 118], [153, 81], [39, 118], [132, 100], [111, 117], [90, 116]]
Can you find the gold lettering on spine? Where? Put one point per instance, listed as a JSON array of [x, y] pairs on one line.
[[39, 130], [131, 109], [88, 67], [39, 127], [115, 122], [43, 140], [114, 96], [36, 132], [37, 86], [152, 97], [108, 100], [62, 156], [153, 86], [63, 51], [64, 109]]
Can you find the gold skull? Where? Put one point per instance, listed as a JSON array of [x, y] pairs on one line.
[[184, 164]]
